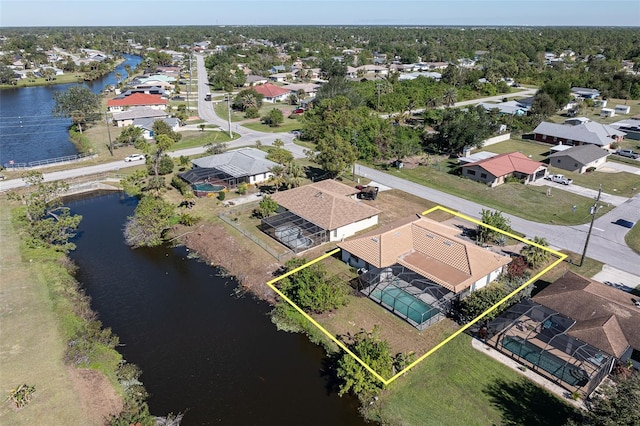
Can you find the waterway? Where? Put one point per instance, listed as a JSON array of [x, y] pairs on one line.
[[203, 349], [28, 130]]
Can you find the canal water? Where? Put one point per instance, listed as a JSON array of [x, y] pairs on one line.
[[28, 130], [203, 350]]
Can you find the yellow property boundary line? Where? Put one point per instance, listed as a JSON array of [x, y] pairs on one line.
[[560, 256]]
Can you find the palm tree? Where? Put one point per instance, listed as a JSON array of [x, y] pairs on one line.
[[293, 175], [249, 100], [278, 176], [450, 96], [433, 101], [536, 256]]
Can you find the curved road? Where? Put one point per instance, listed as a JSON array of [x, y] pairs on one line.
[[607, 239]]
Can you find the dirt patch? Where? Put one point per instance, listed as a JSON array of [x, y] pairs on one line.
[[236, 254], [97, 395]]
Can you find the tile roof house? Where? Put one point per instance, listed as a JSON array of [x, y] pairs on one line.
[[330, 205], [605, 316], [494, 171], [136, 100], [578, 131], [271, 92], [579, 158], [428, 248], [123, 119]]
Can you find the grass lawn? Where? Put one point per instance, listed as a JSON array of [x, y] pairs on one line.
[[192, 139], [526, 201], [594, 112], [633, 238], [287, 126], [623, 184], [459, 385], [537, 151]]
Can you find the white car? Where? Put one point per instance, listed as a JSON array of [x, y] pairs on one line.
[[134, 157]]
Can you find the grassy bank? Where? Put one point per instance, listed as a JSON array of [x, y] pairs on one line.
[[35, 324], [633, 238]]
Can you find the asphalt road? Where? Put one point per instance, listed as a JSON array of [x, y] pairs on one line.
[[607, 240]]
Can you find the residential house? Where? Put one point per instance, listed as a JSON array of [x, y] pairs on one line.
[[607, 112], [272, 93], [146, 124], [506, 108], [137, 100], [254, 80], [585, 93], [309, 89], [578, 131], [576, 327], [426, 74], [283, 76], [579, 158], [322, 211], [277, 68], [495, 170], [420, 263], [630, 126], [248, 165], [126, 118]]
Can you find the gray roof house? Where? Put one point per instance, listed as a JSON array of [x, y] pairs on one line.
[[126, 118], [248, 165], [584, 92], [586, 132], [579, 158], [146, 124]]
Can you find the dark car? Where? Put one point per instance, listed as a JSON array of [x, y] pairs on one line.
[[297, 111], [625, 223]]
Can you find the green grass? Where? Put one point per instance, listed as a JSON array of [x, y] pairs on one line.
[[459, 385], [594, 112], [536, 150], [287, 126], [526, 201], [633, 238], [196, 138], [623, 184]]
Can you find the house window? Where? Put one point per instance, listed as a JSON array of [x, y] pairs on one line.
[[471, 172], [558, 160], [483, 175], [544, 137]]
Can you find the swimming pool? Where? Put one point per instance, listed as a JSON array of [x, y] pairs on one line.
[[405, 304], [547, 361], [203, 189]]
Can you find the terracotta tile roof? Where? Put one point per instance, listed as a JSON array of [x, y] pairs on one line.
[[138, 99], [605, 317], [269, 90], [504, 164], [428, 248], [326, 203]]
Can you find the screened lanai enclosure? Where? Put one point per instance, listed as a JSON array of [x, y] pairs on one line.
[[537, 336], [293, 231], [416, 299]]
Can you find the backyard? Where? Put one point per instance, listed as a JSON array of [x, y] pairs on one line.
[[459, 385]]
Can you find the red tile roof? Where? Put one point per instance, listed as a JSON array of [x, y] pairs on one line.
[[269, 90], [137, 99], [507, 163]]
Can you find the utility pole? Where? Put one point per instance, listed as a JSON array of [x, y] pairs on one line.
[[229, 112], [594, 211], [106, 119]]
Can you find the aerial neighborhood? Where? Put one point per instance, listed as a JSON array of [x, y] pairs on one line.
[[418, 209]]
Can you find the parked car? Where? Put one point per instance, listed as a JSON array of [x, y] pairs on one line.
[[559, 179], [134, 157], [297, 111], [628, 153]]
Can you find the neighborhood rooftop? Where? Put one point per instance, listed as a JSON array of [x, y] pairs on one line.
[[237, 163], [504, 164], [586, 132], [582, 153]]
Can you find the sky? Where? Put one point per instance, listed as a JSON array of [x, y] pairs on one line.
[[32, 13]]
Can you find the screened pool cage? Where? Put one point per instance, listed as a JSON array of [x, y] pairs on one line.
[[537, 337], [293, 231], [407, 294]]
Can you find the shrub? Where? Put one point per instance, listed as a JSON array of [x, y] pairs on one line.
[[221, 195], [180, 185], [165, 166], [242, 188], [252, 112], [591, 169]]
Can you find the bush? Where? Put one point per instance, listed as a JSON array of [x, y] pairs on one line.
[[221, 195], [180, 185], [165, 166], [252, 112], [242, 188]]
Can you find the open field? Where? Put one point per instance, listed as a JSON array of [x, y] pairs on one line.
[[622, 184]]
